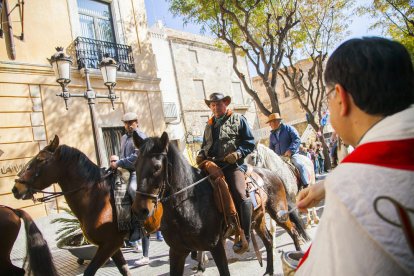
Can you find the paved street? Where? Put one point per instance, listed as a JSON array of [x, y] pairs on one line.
[[239, 265]]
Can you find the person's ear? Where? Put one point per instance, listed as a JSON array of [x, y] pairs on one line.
[[344, 100]]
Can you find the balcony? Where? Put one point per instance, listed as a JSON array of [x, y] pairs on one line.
[[89, 52], [170, 112]]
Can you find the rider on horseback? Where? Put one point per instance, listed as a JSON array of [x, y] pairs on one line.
[[285, 141], [228, 140]]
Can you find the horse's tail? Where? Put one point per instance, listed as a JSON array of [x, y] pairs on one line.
[[300, 226], [40, 258]]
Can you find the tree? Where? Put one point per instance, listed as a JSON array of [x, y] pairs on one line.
[[395, 18], [322, 24], [254, 28]]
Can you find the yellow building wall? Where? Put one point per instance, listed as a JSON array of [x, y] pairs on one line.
[[31, 113]]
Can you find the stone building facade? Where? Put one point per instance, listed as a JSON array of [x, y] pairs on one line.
[[290, 108], [191, 67], [30, 112]]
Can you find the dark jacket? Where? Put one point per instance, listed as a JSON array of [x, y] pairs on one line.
[[129, 153], [228, 135]]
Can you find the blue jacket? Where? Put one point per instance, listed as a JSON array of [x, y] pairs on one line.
[[284, 138]]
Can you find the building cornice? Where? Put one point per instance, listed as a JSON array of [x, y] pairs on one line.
[[26, 68]]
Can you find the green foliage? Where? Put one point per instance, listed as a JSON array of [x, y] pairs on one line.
[[70, 233], [395, 18]]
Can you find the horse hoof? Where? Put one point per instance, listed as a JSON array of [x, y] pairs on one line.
[[316, 221], [308, 226]]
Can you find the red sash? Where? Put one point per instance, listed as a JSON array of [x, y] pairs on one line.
[[391, 154]]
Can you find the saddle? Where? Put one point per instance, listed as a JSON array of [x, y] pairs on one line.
[[126, 219], [295, 172], [254, 188]]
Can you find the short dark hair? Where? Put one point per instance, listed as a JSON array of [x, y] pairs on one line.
[[377, 72]]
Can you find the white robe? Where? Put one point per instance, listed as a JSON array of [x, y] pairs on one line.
[[352, 239]]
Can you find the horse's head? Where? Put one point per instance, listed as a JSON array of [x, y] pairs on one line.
[[37, 174], [254, 159], [151, 167]]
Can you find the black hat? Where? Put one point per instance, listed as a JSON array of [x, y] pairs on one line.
[[215, 97]]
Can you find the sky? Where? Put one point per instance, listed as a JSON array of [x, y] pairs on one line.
[[158, 10]]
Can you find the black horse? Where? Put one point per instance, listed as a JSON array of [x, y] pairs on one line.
[[191, 220]]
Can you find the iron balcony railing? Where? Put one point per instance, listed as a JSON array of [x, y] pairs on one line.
[[90, 52], [170, 112]]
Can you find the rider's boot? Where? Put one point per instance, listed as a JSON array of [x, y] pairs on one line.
[[246, 209]]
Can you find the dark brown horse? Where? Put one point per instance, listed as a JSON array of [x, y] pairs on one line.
[[40, 259], [87, 194], [191, 221]]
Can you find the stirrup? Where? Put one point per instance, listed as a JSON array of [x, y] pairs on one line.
[[230, 230], [241, 246]]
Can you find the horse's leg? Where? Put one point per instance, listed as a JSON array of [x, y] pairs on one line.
[[308, 219], [120, 262], [267, 239], [273, 231], [219, 256], [315, 216], [177, 262], [202, 260], [102, 255]]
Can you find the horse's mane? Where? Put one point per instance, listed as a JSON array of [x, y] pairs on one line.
[[74, 159], [272, 160], [182, 171]]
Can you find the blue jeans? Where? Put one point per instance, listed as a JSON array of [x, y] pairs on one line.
[[304, 176], [132, 186]]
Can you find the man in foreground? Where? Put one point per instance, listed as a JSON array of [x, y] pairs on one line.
[[370, 84]]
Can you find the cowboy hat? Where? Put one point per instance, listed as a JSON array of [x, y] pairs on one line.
[[274, 116], [215, 97]]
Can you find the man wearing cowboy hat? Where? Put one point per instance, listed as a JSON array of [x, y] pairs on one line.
[[285, 141], [227, 140]]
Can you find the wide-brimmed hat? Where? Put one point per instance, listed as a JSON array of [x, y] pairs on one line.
[[130, 116], [215, 97], [273, 116]]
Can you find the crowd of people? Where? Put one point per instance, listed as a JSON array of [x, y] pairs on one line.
[[370, 96]]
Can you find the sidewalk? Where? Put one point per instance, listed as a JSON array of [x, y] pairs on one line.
[[66, 263]]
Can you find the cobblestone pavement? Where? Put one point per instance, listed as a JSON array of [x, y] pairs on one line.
[[159, 264]]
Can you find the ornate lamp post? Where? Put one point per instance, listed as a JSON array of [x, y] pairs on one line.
[[61, 64]]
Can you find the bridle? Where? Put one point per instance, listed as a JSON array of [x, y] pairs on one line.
[[160, 196], [157, 197], [32, 191]]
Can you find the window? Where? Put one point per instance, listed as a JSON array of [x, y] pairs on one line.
[[96, 20], [237, 93], [199, 90], [112, 139], [193, 56]]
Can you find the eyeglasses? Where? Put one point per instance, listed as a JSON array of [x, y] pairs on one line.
[[113, 161], [326, 98]]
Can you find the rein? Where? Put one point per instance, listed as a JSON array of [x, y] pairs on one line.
[[53, 195], [157, 198]]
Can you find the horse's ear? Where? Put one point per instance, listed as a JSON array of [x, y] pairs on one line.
[[165, 140], [137, 140], [53, 144]]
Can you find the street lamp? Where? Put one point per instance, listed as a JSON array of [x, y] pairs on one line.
[[61, 64]]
